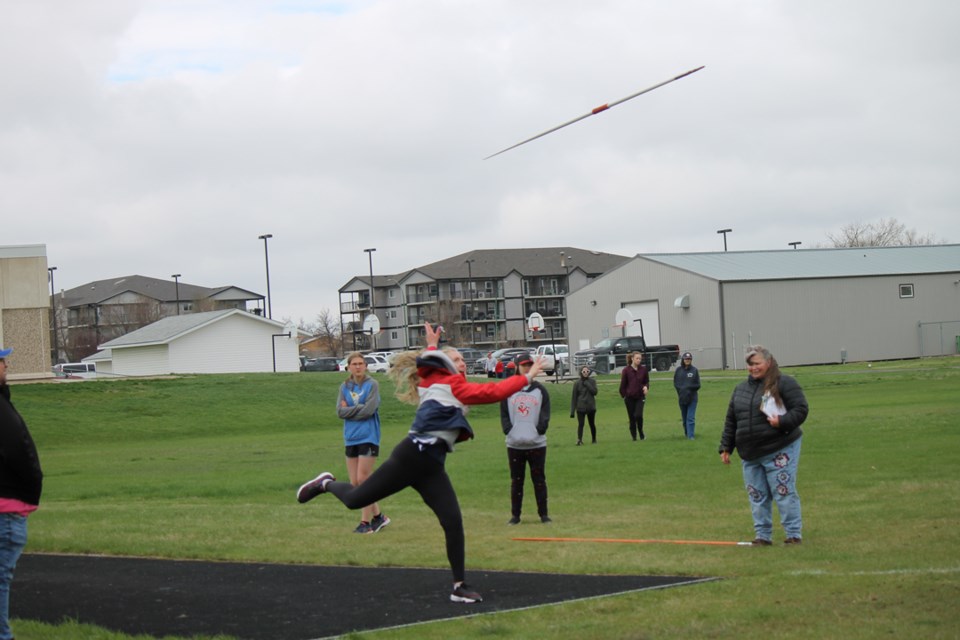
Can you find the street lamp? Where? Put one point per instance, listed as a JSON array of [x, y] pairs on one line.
[[53, 303], [724, 232], [176, 284], [794, 244], [470, 261], [369, 253], [266, 258]]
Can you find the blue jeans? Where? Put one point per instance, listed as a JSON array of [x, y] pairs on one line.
[[774, 478], [688, 413], [13, 537]]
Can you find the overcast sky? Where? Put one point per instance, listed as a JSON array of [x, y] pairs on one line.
[[162, 137]]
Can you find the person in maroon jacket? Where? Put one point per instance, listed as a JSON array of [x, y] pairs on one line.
[[634, 385], [21, 482]]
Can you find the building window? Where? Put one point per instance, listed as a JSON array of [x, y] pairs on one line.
[[392, 293], [526, 286], [394, 335], [906, 291]]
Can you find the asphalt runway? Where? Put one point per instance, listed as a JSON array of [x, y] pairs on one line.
[[278, 602]]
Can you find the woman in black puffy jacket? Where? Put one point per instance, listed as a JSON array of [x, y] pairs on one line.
[[763, 425]]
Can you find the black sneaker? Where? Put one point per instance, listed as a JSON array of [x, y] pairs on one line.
[[545, 519], [760, 542], [463, 593], [363, 527], [379, 522], [310, 490], [513, 520], [793, 541]]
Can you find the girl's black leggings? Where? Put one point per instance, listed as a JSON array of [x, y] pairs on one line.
[[591, 416], [422, 469]]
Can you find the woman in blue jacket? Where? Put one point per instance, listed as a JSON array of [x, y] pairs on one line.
[[358, 405]]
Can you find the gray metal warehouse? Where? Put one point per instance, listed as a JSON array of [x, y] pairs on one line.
[[807, 306]]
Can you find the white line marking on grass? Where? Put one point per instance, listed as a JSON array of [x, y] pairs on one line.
[[889, 572]]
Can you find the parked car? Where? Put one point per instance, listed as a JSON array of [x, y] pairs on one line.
[[342, 364], [376, 363], [559, 363], [76, 370], [510, 354], [320, 364], [471, 356]]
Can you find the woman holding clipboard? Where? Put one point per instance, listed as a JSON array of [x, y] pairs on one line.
[[763, 425]]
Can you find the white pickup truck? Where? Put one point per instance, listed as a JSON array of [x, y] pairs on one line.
[[550, 360]]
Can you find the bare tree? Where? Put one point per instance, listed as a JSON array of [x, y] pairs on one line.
[[327, 329], [886, 232]]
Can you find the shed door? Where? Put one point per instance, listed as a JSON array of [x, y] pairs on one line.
[[649, 313]]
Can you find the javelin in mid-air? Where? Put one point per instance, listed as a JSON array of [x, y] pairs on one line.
[[602, 107]]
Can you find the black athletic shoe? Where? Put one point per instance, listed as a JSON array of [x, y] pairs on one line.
[[545, 519], [310, 490], [463, 593], [760, 542], [513, 520], [793, 541], [379, 522]]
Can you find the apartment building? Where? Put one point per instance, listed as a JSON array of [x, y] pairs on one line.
[[482, 298]]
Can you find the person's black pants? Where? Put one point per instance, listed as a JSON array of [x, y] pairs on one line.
[[519, 459], [635, 414], [409, 466], [591, 416]]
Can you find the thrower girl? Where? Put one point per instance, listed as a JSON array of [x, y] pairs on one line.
[[435, 381]]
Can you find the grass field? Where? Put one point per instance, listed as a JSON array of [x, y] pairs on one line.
[[207, 466]]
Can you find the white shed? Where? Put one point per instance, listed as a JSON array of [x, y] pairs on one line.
[[808, 306], [225, 341]]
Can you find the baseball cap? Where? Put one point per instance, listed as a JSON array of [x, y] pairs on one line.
[[687, 356], [5, 352], [524, 358]]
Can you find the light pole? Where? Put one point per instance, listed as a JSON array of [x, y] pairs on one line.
[[794, 244], [724, 232], [266, 259], [373, 307], [566, 262], [176, 284], [470, 261], [53, 304]]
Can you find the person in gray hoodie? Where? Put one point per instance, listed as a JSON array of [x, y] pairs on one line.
[[525, 417]]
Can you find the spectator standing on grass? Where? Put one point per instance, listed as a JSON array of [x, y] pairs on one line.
[[525, 417], [21, 482], [436, 382], [583, 402], [686, 380], [763, 425], [490, 365], [358, 405], [634, 385]]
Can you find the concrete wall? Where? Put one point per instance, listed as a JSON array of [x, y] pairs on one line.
[[25, 310]]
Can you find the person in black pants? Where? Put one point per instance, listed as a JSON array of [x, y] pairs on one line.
[[634, 385], [437, 381], [525, 417], [583, 401]]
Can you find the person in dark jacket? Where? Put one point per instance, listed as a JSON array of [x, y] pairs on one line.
[[634, 385], [583, 401], [686, 380], [525, 418], [21, 482], [763, 425]]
